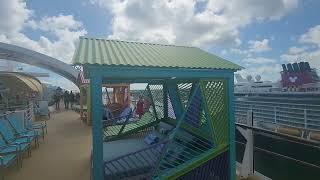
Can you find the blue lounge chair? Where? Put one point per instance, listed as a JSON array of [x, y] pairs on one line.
[[6, 161], [23, 142], [18, 127], [8, 154], [41, 127]]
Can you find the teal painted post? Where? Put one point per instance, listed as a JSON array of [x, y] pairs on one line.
[[165, 101], [97, 137], [175, 99], [232, 136]]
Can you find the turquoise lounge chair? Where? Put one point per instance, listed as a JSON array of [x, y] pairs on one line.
[[8, 154], [22, 141], [41, 127], [18, 127], [6, 161]]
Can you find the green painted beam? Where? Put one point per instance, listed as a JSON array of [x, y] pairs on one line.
[[185, 168]]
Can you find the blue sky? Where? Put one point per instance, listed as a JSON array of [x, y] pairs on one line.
[[257, 34]]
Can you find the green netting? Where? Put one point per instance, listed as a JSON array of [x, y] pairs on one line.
[[184, 90], [122, 127], [189, 140], [156, 95], [171, 113], [214, 93]]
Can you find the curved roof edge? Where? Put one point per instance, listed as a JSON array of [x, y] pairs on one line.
[[27, 56]]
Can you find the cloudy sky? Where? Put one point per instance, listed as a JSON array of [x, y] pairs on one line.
[[257, 34]]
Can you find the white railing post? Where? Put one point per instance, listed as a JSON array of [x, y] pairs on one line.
[[247, 167], [275, 114], [305, 119]]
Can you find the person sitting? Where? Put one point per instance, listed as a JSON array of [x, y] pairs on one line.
[[124, 114]]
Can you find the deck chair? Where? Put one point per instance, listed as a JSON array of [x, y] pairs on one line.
[[8, 154], [6, 161], [41, 127], [22, 141], [44, 109], [18, 127]]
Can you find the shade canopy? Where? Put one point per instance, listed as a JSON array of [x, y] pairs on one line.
[[19, 82], [124, 53]]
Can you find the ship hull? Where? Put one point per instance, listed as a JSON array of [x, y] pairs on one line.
[[281, 158]]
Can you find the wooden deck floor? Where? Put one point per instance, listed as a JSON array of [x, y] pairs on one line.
[[65, 153]]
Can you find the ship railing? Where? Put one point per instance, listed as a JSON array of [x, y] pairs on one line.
[[299, 105], [306, 117]]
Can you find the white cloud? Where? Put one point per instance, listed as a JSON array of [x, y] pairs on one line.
[[180, 22], [258, 60], [254, 47], [313, 57], [15, 16], [259, 46], [297, 50], [269, 72], [239, 51], [312, 36], [306, 53]]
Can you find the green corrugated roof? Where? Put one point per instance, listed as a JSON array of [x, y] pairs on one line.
[[114, 52]]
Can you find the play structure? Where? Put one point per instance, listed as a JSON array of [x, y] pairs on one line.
[[116, 98], [187, 128]]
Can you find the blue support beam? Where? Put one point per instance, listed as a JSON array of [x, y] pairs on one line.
[[165, 101], [137, 73], [232, 136], [97, 136], [175, 99]]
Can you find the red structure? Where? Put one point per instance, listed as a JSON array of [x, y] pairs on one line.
[[295, 75]]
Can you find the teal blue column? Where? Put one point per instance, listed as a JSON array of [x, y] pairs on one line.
[[175, 99], [97, 137], [232, 137], [165, 101]]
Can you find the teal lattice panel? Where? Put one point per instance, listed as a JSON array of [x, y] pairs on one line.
[[189, 140], [156, 92], [184, 92], [215, 98]]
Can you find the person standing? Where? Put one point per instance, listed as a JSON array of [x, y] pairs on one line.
[[71, 99], [139, 110], [66, 99], [78, 98], [57, 100]]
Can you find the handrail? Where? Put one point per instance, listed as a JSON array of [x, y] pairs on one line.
[[305, 117], [259, 102]]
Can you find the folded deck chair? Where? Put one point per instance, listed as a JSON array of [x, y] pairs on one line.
[[18, 127], [23, 142]]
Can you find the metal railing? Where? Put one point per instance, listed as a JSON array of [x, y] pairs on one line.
[[300, 116]]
